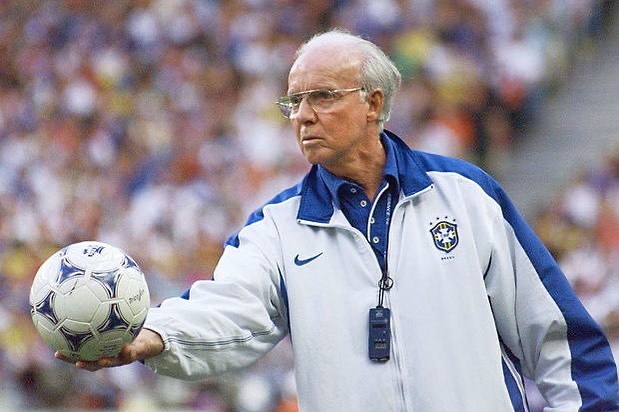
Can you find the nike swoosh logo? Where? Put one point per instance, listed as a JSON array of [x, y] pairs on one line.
[[301, 262]]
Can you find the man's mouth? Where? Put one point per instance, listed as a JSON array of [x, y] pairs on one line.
[[309, 139]]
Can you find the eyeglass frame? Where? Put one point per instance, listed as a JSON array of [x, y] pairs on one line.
[[287, 108]]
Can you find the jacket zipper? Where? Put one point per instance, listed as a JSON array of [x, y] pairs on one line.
[[397, 359], [400, 377], [397, 356]]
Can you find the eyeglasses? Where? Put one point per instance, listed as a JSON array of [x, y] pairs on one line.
[[320, 100]]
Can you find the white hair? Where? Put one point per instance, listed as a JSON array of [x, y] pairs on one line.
[[377, 70]]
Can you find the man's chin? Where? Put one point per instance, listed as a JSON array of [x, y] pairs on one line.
[[313, 156]]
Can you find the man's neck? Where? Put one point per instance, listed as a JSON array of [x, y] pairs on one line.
[[366, 169]]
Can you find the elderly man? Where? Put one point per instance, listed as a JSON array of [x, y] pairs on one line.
[[407, 281]]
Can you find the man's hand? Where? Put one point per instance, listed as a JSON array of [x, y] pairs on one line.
[[146, 345]]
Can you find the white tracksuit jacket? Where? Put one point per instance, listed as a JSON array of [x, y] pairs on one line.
[[472, 311]]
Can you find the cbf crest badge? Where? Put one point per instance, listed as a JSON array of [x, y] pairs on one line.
[[445, 236]]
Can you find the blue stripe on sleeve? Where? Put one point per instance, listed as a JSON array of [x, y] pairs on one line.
[[514, 383]]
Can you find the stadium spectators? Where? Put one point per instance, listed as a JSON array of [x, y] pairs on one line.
[[143, 122]]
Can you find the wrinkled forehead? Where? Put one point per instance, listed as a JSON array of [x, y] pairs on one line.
[[329, 65]]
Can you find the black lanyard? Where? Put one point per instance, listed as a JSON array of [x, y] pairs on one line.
[[379, 323], [386, 282]]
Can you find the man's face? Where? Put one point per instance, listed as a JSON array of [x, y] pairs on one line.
[[334, 136]]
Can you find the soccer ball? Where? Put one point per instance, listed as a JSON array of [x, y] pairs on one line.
[[88, 299]]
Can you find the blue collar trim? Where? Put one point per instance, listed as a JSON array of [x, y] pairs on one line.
[[334, 183], [318, 193]]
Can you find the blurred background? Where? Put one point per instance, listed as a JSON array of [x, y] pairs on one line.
[[150, 125]]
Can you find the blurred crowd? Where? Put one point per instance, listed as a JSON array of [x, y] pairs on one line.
[[151, 125]]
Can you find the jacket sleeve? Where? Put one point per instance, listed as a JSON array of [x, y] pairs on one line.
[[229, 322], [545, 330]]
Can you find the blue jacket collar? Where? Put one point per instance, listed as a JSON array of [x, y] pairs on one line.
[[335, 183], [317, 203]]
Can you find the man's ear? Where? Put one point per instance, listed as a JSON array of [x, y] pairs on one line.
[[376, 100]]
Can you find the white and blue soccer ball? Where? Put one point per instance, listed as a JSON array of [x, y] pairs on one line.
[[89, 299]]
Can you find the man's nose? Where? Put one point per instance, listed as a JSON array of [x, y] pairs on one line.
[[305, 112]]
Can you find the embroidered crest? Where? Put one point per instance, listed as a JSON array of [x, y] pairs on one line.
[[445, 236]]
